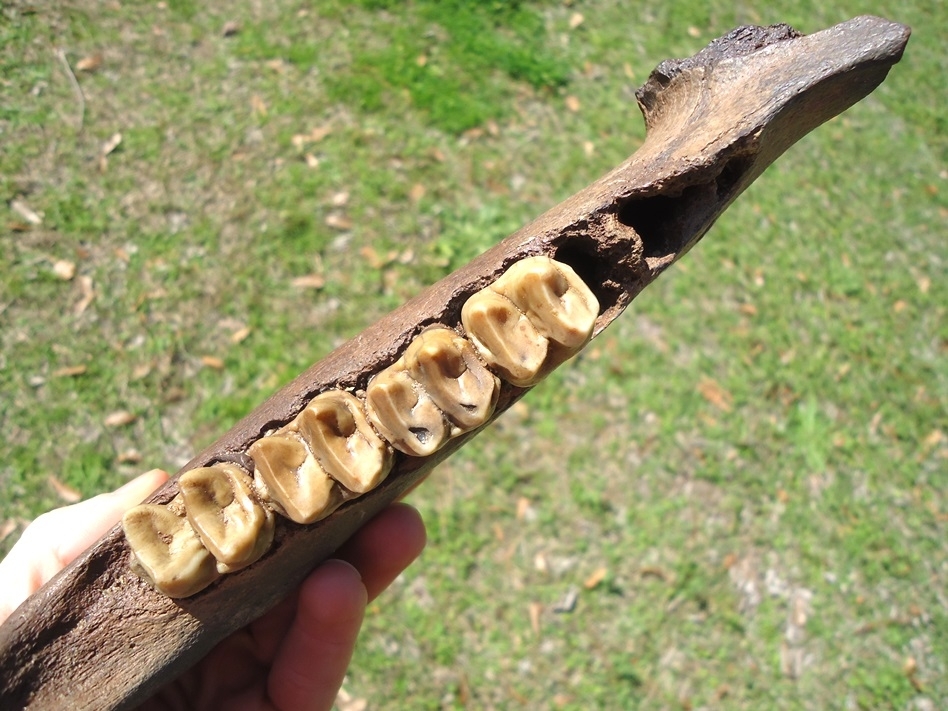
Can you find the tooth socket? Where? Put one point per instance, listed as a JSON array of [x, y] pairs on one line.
[[166, 551], [340, 437], [223, 511], [297, 486]]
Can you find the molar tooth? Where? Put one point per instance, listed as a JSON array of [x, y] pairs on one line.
[[167, 551], [504, 337], [298, 487], [336, 429], [445, 365], [220, 507], [404, 413], [554, 298]]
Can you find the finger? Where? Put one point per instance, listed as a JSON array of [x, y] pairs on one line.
[[312, 661], [385, 546], [55, 538], [379, 551], [89, 520]]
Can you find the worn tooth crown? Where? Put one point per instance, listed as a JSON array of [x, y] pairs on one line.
[[538, 313], [512, 321], [446, 366], [296, 484], [167, 551], [222, 510], [553, 297], [404, 413], [504, 337], [337, 431]]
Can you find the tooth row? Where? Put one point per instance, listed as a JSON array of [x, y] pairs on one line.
[[535, 316]]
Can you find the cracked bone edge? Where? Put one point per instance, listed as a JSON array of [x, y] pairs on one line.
[[342, 440], [222, 509], [504, 337], [404, 413], [558, 303], [294, 482], [166, 551], [444, 364]]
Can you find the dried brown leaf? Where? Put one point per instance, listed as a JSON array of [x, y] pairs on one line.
[[87, 295], [347, 702], [598, 575], [258, 106], [212, 362], [142, 370], [715, 394], [572, 103], [523, 507], [575, 20], [64, 491], [240, 335], [129, 456], [120, 418], [69, 371], [8, 527], [338, 221], [110, 145], [89, 63], [26, 212], [314, 136], [231, 28], [372, 257], [417, 192], [309, 281], [64, 269], [535, 610]]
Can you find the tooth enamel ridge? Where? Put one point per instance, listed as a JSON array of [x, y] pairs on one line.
[[340, 437], [167, 552], [221, 507], [535, 316], [404, 413], [513, 321], [554, 298], [504, 337], [297, 486], [445, 365]]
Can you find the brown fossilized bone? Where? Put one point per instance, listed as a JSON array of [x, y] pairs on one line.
[[309, 471]]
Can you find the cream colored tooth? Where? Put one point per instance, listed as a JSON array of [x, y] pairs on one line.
[[298, 487], [446, 366], [221, 508], [554, 298], [335, 427], [504, 337], [404, 413], [167, 552]]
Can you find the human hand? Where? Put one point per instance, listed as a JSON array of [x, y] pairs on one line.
[[292, 658]]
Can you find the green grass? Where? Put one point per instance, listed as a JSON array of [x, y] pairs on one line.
[[816, 305]]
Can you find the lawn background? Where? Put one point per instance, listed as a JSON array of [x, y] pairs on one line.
[[741, 485]]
